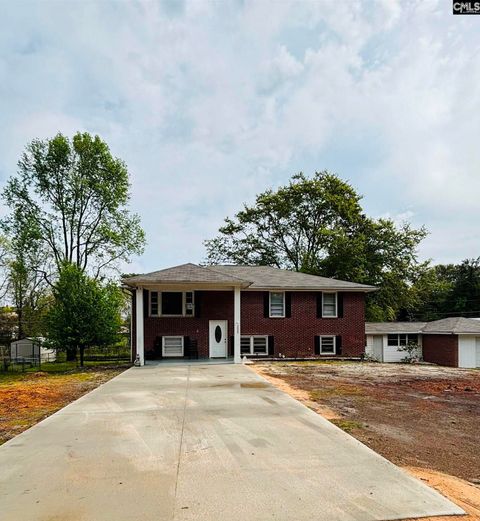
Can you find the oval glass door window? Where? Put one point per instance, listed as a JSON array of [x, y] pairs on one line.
[[218, 334]]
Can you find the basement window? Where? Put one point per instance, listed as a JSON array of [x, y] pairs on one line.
[[172, 346], [254, 345], [327, 345]]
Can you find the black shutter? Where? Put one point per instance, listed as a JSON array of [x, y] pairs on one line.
[[186, 346], [317, 345], [156, 352], [288, 304], [231, 346], [266, 304], [319, 305], [197, 298], [338, 345], [271, 346], [146, 311], [340, 305]]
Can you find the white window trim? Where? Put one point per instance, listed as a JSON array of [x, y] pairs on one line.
[[407, 339], [336, 304], [172, 336], [334, 344], [251, 338], [184, 304], [270, 304]]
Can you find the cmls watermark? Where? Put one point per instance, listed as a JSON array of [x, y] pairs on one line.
[[466, 7]]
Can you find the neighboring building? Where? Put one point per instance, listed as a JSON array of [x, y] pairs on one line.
[[31, 349], [222, 311], [451, 341]]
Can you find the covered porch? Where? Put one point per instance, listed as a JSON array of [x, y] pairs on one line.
[[190, 321]]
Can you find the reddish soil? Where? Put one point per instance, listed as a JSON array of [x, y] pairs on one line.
[[424, 418], [26, 399]]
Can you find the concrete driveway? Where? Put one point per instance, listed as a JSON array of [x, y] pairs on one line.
[[203, 443]]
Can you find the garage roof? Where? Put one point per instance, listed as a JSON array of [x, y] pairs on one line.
[[452, 325], [384, 328]]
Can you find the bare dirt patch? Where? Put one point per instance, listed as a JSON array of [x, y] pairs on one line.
[[26, 399], [423, 418]]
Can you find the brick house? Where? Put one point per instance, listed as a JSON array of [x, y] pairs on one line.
[[234, 311], [453, 341]]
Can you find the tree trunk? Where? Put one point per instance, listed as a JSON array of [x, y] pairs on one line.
[[20, 333], [71, 354], [82, 349]]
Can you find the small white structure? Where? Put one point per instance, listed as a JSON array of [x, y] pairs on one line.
[[31, 349], [385, 340]]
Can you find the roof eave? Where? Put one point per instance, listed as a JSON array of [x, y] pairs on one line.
[[309, 288]]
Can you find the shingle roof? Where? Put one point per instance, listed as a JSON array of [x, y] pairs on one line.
[[185, 273], [254, 277], [372, 328], [265, 277], [452, 325]]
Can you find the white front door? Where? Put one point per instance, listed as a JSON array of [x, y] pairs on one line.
[[218, 338]]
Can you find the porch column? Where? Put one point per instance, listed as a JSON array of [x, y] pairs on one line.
[[139, 324], [236, 321]]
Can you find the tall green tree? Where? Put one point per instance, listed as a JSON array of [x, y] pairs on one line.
[[317, 225], [70, 197], [85, 312], [448, 290]]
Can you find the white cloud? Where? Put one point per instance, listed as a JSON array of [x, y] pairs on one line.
[[210, 103]]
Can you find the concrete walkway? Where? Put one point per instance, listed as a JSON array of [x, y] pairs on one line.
[[203, 443]]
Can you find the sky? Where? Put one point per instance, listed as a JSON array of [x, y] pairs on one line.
[[211, 103]]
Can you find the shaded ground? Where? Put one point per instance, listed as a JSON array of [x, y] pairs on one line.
[[425, 418], [27, 398]]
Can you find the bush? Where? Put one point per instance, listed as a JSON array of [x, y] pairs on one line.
[[413, 353]]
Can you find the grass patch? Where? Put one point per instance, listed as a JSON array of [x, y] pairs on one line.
[[304, 363], [332, 392], [26, 398], [347, 425], [60, 368]]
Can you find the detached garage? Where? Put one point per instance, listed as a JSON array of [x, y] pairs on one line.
[[453, 342]]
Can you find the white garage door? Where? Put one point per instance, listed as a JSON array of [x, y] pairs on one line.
[[468, 351]]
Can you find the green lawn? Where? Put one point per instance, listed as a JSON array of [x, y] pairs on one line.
[[58, 368]]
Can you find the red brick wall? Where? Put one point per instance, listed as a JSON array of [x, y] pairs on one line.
[[293, 336], [441, 349]]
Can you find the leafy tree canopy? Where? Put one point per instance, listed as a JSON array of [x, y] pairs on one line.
[[317, 225], [69, 201], [447, 290], [85, 312]]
